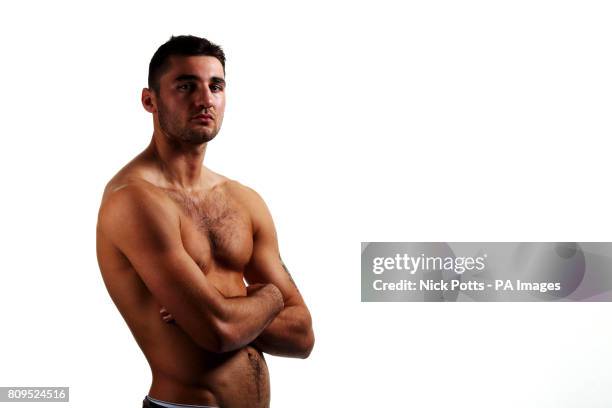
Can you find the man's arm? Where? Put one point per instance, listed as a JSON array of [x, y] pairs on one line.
[[290, 334], [145, 228]]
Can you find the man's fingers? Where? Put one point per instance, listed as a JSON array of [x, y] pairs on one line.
[[166, 317]]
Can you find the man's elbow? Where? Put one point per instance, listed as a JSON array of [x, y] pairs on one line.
[[306, 339], [230, 336], [307, 344], [217, 337]]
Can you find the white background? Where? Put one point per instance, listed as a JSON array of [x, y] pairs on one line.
[[425, 121]]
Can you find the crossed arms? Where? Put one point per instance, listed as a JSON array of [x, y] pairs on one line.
[[141, 223]]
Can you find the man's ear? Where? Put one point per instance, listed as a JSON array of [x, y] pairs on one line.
[[148, 100]]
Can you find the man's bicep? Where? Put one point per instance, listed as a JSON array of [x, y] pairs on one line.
[[266, 265]]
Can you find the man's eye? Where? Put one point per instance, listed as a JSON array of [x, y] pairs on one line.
[[185, 87], [216, 87]]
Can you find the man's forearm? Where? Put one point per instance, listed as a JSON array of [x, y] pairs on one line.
[[289, 334], [244, 318]]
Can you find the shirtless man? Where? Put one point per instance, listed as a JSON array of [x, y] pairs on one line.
[[176, 238]]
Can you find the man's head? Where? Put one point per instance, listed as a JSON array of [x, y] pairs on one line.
[[186, 91]]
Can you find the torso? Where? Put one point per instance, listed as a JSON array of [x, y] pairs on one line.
[[217, 233]]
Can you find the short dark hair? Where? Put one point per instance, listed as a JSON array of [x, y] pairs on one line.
[[187, 45]]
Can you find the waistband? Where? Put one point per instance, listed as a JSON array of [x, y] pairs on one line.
[[155, 403]]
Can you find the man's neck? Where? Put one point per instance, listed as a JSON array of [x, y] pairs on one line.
[[180, 164]]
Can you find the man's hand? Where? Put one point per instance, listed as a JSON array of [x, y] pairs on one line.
[[268, 288], [166, 316]]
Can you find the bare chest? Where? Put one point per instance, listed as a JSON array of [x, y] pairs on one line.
[[216, 230]]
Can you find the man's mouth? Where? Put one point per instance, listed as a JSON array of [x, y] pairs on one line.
[[203, 116]]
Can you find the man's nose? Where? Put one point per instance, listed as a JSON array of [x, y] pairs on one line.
[[205, 98]]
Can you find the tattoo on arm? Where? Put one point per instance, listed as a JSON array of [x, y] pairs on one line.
[[289, 274]]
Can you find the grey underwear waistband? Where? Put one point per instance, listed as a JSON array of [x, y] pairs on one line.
[[166, 404]]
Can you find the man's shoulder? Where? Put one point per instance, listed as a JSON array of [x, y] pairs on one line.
[[125, 190], [131, 200], [246, 195]]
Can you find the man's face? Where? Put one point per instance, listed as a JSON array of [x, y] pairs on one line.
[[191, 99]]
